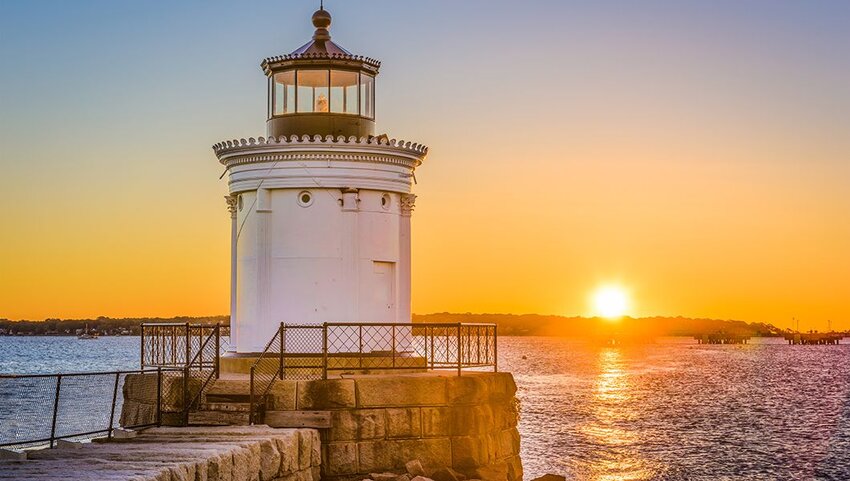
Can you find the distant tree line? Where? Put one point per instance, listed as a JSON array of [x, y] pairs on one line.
[[509, 325], [102, 325], [543, 325]]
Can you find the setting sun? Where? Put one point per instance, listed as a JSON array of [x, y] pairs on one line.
[[610, 302]]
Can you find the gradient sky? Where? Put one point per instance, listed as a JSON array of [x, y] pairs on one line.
[[697, 153]]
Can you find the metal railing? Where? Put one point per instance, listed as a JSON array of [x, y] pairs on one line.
[[40, 409], [312, 351], [194, 349], [175, 344], [201, 369], [265, 370]]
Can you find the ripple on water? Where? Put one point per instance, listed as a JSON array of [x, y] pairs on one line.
[[668, 411], [675, 410]]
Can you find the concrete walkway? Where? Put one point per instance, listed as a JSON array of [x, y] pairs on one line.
[[229, 453]]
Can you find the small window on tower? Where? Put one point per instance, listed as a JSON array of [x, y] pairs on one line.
[[385, 201], [305, 199], [239, 202]]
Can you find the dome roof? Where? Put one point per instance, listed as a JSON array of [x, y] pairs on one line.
[[321, 48]]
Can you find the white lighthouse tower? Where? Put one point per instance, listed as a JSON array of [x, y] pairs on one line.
[[320, 207]]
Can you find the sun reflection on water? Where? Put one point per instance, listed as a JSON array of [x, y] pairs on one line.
[[617, 460]]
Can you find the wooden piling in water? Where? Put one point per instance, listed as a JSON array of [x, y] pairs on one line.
[[813, 338], [722, 338]]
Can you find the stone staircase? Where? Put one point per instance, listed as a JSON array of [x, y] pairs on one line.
[[221, 412], [225, 403]]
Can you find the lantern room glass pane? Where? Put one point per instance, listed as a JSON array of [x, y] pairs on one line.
[[344, 92], [284, 93], [313, 92], [367, 95]]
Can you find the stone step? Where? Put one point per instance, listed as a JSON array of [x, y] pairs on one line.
[[227, 398], [298, 419], [230, 386], [218, 418], [227, 406]]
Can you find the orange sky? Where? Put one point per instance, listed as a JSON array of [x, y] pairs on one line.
[[699, 160]]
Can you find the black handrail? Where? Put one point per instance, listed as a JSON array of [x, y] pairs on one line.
[[184, 346], [258, 395], [198, 362]]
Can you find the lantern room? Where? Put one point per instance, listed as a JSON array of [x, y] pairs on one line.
[[321, 88]]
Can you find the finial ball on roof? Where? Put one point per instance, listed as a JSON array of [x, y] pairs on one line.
[[321, 19]]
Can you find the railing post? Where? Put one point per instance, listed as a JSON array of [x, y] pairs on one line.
[[459, 351], [433, 355], [188, 345], [251, 400], [325, 350], [186, 395], [217, 350], [114, 399], [495, 348], [360, 346], [478, 345], [282, 334], [143, 346], [55, 409], [393, 354], [202, 342], [426, 346], [159, 396]]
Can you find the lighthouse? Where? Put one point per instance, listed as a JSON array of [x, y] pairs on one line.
[[320, 207]]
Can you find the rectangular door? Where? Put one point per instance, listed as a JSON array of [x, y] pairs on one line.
[[385, 291]]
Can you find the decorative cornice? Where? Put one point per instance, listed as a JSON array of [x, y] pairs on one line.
[[270, 63], [309, 156], [407, 204], [231, 204], [368, 149], [319, 140]]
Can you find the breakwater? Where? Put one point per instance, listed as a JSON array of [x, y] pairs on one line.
[[232, 453], [379, 423]]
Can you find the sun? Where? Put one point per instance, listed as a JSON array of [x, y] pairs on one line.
[[611, 302]]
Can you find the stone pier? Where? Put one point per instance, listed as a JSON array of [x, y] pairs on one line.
[[379, 422], [230, 453]]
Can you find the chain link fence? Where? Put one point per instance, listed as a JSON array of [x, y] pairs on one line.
[[40, 409], [176, 344], [316, 351]]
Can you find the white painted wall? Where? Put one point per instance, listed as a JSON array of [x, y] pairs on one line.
[[345, 257]]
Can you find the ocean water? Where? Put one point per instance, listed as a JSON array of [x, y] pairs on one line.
[[676, 410], [672, 410]]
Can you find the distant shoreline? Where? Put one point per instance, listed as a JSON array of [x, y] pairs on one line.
[[508, 325], [26, 335]]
